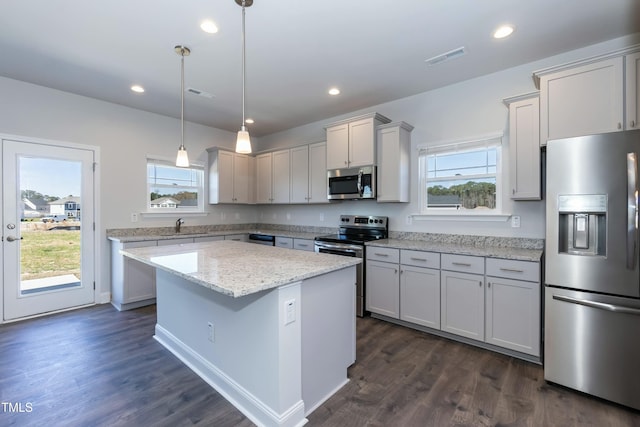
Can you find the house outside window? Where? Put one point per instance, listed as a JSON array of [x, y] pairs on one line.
[[462, 177], [174, 189]]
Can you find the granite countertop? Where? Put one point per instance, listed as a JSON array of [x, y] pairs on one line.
[[513, 253], [163, 234], [237, 269]]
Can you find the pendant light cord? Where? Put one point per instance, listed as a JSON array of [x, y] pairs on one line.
[[182, 101], [244, 58]]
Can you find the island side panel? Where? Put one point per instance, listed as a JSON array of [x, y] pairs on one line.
[[328, 334], [254, 359]]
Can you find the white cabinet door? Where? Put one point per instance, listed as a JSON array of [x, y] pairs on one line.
[[338, 146], [300, 174], [382, 290], [318, 173], [583, 100], [361, 143], [524, 149], [394, 145], [632, 90], [462, 304], [263, 178], [241, 178], [513, 314], [224, 185], [420, 296], [281, 177]]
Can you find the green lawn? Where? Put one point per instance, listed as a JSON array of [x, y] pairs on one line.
[[49, 253]]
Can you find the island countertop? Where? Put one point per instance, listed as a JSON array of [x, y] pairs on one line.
[[237, 269]]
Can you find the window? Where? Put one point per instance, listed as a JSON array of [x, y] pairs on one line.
[[174, 189], [462, 177]]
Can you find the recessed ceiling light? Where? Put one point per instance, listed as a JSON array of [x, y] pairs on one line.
[[249, 121], [503, 31], [137, 88], [209, 26], [334, 91]]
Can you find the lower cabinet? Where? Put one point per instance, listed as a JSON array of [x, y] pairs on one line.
[[493, 301], [462, 304], [133, 284], [420, 296]]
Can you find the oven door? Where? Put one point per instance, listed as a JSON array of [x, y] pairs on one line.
[[355, 251]]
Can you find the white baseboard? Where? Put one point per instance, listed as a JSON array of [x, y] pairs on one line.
[[252, 407]]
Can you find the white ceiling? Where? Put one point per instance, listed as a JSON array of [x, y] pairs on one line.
[[374, 50]]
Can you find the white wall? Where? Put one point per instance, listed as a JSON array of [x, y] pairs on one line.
[[467, 109], [125, 137]]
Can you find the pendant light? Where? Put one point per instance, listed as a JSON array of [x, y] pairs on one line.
[[182, 160], [243, 143]]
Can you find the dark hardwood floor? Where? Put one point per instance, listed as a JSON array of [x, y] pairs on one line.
[[100, 367]]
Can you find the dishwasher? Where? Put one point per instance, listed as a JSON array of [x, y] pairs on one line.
[[262, 239]]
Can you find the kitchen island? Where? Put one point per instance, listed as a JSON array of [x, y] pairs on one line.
[[271, 329]]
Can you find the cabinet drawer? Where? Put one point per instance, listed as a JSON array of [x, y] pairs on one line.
[[383, 254], [284, 242], [463, 263], [420, 258], [303, 244], [510, 269]]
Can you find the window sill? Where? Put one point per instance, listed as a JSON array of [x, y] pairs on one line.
[[461, 216], [169, 214]]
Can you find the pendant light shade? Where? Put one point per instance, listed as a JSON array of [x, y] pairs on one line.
[[243, 142], [182, 159]]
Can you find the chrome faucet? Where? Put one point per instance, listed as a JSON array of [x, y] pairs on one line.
[[179, 222]]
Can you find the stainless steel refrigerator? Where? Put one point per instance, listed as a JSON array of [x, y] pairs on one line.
[[592, 272]]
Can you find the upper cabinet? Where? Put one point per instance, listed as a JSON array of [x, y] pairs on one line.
[[309, 174], [589, 97], [394, 157], [272, 177], [230, 177], [524, 146], [351, 143]]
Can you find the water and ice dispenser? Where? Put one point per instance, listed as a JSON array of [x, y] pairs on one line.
[[582, 224]]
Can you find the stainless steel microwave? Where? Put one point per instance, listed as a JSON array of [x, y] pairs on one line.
[[351, 183]]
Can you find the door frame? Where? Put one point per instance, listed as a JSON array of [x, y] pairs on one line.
[[97, 229]]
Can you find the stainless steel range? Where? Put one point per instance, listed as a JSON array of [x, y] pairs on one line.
[[354, 232]]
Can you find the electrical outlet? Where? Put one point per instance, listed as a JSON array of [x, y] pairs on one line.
[[289, 311], [515, 221], [211, 332], [134, 217]]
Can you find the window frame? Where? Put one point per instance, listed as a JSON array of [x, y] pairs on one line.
[[199, 168], [444, 147]]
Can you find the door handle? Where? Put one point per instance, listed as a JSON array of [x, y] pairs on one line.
[[596, 304], [632, 210], [13, 239]]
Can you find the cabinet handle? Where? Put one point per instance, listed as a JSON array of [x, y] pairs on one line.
[[395, 270], [488, 284], [418, 259], [302, 245], [619, 125], [511, 270], [463, 264], [378, 254], [513, 191], [480, 283], [633, 123]]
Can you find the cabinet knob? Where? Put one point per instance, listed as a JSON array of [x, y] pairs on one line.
[[480, 283], [619, 125], [513, 191], [488, 284], [633, 123]]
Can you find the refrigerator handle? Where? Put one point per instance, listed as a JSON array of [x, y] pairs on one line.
[[632, 210], [596, 304]]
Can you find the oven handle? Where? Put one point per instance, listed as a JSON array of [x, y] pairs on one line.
[[360, 189]]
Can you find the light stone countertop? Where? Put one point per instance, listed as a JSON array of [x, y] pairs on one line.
[[237, 269], [167, 235], [520, 254]]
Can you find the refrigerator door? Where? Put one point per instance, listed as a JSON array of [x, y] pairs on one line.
[[591, 344], [592, 194]]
